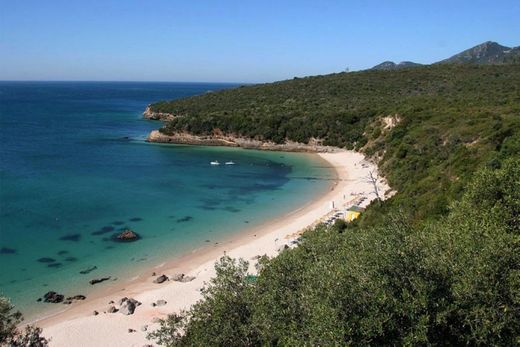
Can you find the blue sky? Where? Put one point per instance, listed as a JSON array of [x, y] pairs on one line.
[[237, 41]]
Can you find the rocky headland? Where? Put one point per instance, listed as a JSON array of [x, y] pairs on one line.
[[313, 146], [149, 114]]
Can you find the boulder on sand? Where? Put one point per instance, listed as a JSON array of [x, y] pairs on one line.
[[161, 302], [128, 306], [177, 277], [161, 279], [187, 279]]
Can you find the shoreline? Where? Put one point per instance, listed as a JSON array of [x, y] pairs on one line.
[[73, 326]]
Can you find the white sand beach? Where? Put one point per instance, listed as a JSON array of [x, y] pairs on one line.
[[78, 326]]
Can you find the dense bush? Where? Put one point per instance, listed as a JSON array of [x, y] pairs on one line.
[[10, 335], [455, 281]]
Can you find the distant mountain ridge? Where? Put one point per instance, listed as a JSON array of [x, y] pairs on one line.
[[487, 53], [390, 65]]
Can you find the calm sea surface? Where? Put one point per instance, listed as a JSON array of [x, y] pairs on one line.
[[74, 169]]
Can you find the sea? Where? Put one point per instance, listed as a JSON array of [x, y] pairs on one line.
[[75, 170]]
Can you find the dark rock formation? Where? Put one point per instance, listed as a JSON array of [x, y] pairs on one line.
[[187, 279], [112, 309], [184, 219], [53, 297], [161, 279], [127, 236], [177, 277], [99, 280], [128, 306], [77, 297]]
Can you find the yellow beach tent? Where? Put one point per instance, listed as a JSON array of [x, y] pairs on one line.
[[353, 213]]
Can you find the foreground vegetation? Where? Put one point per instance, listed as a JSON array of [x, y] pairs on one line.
[[10, 335], [437, 264], [451, 282]]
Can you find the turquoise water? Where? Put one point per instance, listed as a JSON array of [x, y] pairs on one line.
[[75, 169]]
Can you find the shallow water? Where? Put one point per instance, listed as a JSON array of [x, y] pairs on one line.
[[75, 170]]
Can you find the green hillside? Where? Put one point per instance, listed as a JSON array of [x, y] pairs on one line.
[[453, 119], [453, 282], [437, 264]]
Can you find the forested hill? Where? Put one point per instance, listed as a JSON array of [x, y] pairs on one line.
[[438, 264], [449, 120]]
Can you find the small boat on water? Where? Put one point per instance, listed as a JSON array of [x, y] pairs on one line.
[[215, 162], [230, 162]]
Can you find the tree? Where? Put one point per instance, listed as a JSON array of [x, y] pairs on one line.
[[221, 318], [10, 335], [373, 178]]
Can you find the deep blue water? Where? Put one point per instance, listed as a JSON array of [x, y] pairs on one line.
[[74, 169]]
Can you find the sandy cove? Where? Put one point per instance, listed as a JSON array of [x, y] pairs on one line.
[[78, 326]]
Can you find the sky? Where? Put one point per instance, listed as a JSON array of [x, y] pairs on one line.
[[237, 41]]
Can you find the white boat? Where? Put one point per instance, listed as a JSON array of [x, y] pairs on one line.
[[215, 162], [230, 162]]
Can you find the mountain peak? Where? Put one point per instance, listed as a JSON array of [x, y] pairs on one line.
[[488, 52]]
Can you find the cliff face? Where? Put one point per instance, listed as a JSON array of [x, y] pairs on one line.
[[232, 141], [149, 114]]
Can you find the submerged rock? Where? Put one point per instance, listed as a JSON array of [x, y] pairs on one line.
[[86, 271], [54, 265], [161, 279], [46, 260], [127, 235], [7, 250], [71, 237], [184, 219]]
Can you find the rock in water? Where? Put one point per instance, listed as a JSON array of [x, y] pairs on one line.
[[76, 297], [127, 236], [99, 280], [112, 309], [161, 279], [86, 271], [53, 297]]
